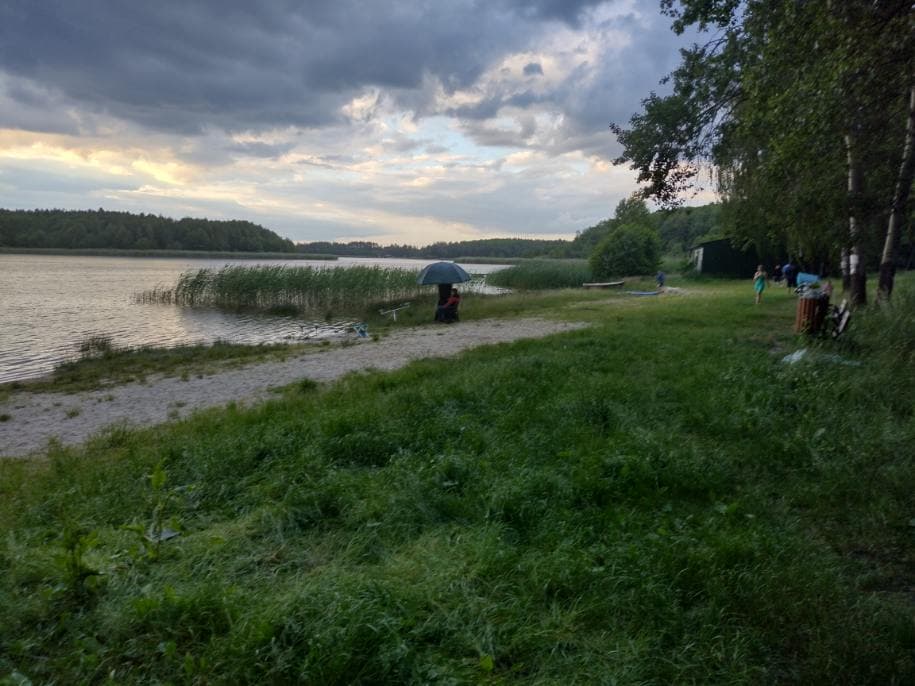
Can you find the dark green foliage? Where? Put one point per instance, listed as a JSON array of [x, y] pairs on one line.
[[629, 249], [123, 230], [657, 499], [632, 210], [681, 228]]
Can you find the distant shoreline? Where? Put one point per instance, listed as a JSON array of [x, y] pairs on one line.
[[202, 254], [225, 254]]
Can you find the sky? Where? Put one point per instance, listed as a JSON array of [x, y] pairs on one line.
[[394, 121]]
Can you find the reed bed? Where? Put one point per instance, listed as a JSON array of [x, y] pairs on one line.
[[264, 287], [535, 275]]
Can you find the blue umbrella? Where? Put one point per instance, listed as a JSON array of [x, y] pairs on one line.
[[442, 273]]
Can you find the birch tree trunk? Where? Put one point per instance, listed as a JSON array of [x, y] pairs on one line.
[[843, 265], [900, 200], [857, 279]]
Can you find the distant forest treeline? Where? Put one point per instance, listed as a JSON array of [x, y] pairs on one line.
[[491, 247], [677, 229], [101, 229]]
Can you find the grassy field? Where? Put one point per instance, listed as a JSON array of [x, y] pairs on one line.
[[657, 499]]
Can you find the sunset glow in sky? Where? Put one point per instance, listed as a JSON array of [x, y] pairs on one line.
[[396, 121]]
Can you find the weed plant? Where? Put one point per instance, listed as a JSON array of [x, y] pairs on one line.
[[656, 499], [288, 288], [542, 275], [94, 346]]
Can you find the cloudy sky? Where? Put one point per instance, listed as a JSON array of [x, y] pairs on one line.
[[406, 121]]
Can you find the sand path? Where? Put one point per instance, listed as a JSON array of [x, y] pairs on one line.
[[35, 418]]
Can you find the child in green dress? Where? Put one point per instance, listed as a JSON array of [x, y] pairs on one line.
[[759, 282]]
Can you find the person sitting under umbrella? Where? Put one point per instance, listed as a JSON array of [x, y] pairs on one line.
[[448, 312]]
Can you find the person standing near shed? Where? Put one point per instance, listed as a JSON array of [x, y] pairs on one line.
[[789, 271], [759, 282]]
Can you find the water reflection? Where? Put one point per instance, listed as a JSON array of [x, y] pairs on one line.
[[49, 303]]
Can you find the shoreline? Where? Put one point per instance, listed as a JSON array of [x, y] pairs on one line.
[[35, 418]]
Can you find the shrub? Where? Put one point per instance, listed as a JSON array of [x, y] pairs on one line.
[[627, 250]]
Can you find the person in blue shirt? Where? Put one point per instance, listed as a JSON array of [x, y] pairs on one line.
[[789, 271], [659, 278]]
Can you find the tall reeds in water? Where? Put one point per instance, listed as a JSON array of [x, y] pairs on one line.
[[266, 287], [536, 275]]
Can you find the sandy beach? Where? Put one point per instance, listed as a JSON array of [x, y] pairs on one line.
[[36, 418]]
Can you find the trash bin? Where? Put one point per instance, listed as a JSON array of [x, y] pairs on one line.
[[811, 312]]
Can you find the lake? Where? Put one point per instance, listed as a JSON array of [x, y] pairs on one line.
[[50, 303]]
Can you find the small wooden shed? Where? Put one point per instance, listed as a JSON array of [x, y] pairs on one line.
[[720, 258]]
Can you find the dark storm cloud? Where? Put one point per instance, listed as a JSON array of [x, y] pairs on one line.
[[233, 65], [568, 11], [183, 67]]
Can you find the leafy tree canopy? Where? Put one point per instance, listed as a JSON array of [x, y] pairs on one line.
[[629, 249], [774, 105]]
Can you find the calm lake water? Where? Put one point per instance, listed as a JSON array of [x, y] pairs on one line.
[[49, 303]]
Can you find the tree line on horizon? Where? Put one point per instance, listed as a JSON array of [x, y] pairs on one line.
[[103, 229], [677, 229]]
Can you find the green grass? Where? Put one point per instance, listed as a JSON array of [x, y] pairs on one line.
[[657, 499], [542, 275], [288, 288]]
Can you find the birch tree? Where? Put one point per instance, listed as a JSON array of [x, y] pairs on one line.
[[799, 111]]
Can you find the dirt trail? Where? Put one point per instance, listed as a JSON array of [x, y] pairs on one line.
[[35, 418]]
